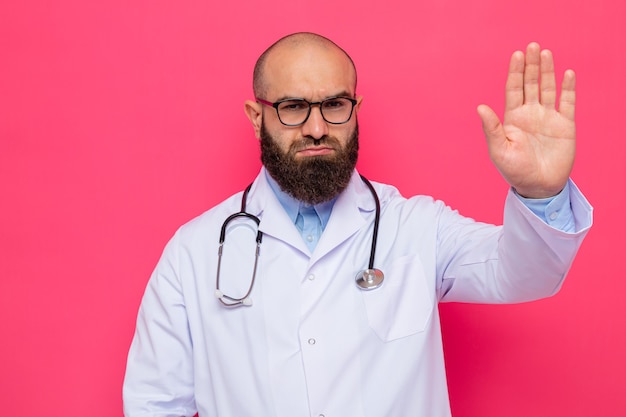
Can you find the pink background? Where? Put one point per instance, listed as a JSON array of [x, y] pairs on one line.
[[120, 120]]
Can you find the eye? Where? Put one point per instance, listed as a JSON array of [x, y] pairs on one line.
[[293, 106], [335, 103]]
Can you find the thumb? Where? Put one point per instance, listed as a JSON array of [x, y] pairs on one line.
[[494, 131]]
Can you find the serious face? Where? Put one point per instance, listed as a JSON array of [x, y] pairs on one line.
[[313, 161]]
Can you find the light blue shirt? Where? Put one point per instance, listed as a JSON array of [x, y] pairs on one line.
[[309, 220], [555, 211], [312, 220]]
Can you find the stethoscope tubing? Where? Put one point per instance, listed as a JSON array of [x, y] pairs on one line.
[[368, 279], [245, 300], [370, 265]]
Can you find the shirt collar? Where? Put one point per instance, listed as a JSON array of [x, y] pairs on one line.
[[292, 206]]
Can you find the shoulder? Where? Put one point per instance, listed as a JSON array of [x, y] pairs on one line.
[[392, 199], [211, 219]]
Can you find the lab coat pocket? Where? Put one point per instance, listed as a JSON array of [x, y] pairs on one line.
[[403, 305]]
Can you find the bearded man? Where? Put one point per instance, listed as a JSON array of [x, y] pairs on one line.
[[266, 304]]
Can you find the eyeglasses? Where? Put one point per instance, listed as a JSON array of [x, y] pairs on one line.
[[296, 111]]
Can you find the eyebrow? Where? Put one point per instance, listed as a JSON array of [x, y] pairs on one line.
[[343, 93]]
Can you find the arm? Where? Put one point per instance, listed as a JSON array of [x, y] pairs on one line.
[[523, 260], [159, 373], [533, 148]]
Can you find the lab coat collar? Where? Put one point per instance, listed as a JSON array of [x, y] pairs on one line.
[[347, 217], [345, 220], [292, 206]]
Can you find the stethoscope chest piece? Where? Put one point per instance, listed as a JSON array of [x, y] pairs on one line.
[[369, 279]]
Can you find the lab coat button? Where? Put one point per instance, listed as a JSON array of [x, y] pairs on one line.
[[311, 341], [311, 277]]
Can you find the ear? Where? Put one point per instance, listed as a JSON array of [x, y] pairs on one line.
[[357, 106], [254, 112]]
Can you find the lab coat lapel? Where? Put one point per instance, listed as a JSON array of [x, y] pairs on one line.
[[262, 202], [347, 216]]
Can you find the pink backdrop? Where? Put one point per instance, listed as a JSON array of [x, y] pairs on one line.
[[120, 120]]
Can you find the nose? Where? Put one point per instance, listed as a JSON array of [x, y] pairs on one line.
[[315, 126]]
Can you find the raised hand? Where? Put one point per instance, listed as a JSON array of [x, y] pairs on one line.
[[535, 144]]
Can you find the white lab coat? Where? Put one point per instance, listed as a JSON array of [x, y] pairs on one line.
[[312, 343]]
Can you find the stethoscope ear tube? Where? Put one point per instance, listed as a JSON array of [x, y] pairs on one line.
[[259, 235], [226, 300]]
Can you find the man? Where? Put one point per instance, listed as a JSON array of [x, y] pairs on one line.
[[291, 332]]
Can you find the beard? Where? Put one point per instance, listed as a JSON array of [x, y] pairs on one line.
[[315, 179]]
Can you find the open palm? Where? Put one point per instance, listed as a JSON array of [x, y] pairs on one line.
[[534, 146]]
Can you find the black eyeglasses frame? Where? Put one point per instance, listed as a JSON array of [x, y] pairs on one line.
[[311, 104]]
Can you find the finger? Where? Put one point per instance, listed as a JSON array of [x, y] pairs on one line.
[[494, 131], [567, 102], [514, 89], [531, 74], [548, 82]]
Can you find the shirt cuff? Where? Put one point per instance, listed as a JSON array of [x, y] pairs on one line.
[[555, 211]]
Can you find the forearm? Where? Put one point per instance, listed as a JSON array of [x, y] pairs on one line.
[[523, 260]]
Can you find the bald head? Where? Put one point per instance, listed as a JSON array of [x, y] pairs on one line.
[[289, 46]]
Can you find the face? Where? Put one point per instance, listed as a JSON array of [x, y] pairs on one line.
[[312, 162]]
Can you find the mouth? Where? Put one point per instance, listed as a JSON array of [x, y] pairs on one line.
[[310, 147], [315, 151]]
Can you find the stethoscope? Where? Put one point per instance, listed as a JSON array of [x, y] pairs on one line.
[[368, 279]]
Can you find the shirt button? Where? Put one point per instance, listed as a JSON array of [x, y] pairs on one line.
[[309, 238], [311, 277], [311, 341], [554, 215]]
